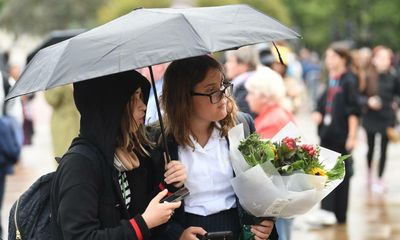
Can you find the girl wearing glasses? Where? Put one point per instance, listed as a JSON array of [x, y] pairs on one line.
[[198, 115]]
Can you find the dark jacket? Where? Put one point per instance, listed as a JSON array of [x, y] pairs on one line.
[[388, 89], [175, 227], [240, 97], [86, 199], [344, 104]]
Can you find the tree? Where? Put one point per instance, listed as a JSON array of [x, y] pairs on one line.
[[273, 8], [363, 22], [116, 8], [42, 16]]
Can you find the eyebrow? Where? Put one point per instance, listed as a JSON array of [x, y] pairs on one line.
[[210, 85]]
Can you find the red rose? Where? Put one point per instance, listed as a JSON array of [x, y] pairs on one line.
[[290, 143], [310, 149]]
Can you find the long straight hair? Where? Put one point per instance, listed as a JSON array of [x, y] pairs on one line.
[[180, 79], [132, 136], [372, 72]]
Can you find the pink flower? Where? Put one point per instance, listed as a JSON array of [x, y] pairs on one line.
[[290, 143], [310, 149]]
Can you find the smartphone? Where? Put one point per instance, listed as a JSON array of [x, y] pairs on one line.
[[223, 235], [177, 196]]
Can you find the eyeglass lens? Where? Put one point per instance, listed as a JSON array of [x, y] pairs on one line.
[[226, 90]]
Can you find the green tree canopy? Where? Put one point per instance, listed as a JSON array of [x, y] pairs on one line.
[[115, 8], [273, 8], [42, 16], [363, 22]]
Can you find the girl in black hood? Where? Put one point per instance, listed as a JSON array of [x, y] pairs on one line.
[[109, 196]]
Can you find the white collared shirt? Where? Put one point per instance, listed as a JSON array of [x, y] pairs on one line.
[[209, 173]]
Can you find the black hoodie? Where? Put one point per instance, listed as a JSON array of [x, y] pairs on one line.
[[86, 199]]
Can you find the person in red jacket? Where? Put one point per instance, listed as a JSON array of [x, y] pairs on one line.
[[266, 95]]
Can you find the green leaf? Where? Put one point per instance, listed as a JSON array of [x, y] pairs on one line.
[[338, 171]]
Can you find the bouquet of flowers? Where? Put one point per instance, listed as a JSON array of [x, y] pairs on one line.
[[289, 156], [283, 176]]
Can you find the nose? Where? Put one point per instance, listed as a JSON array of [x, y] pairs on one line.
[[142, 105]]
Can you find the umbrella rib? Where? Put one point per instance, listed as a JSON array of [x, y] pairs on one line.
[[188, 22], [194, 29]]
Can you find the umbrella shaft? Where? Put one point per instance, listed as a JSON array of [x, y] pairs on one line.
[[164, 139]]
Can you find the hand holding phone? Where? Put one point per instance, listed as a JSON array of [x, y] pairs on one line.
[[223, 235], [177, 196]]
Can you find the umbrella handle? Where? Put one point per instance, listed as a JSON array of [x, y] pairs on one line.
[[167, 158]]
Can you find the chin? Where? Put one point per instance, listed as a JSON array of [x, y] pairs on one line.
[[221, 115]]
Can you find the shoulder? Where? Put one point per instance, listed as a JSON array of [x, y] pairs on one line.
[[350, 77], [242, 116], [247, 119], [76, 169]]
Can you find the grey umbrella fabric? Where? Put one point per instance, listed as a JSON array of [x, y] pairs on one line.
[[145, 37]]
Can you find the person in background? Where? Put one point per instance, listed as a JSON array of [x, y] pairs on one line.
[[158, 73], [361, 63], [290, 69], [382, 86], [11, 134], [311, 66], [118, 188], [337, 117], [64, 119], [266, 95], [240, 65], [198, 115], [28, 126]]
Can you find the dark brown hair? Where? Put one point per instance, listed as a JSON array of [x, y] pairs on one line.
[[343, 53], [372, 73], [180, 79], [128, 138]]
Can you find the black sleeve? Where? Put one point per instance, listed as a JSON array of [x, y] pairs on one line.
[[240, 98], [78, 203], [353, 106], [321, 102], [397, 83], [171, 230]]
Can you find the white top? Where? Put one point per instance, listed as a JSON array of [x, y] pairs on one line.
[[209, 173]]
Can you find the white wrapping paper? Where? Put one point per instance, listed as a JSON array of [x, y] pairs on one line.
[[263, 192]]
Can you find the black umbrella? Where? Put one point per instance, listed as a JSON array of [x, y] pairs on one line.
[[146, 37]]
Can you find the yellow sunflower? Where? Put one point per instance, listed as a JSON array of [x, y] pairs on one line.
[[275, 151], [317, 171]]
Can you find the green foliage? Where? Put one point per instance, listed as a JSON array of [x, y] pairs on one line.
[[338, 170], [116, 8], [365, 22], [256, 151], [273, 8], [42, 16], [288, 156]]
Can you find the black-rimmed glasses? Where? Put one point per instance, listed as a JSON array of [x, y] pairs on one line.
[[216, 96]]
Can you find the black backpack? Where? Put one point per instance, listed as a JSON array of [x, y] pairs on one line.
[[30, 215]]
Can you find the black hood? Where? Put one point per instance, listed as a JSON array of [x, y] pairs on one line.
[[101, 103]]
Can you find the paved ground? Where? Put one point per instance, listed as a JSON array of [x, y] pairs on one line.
[[372, 216]]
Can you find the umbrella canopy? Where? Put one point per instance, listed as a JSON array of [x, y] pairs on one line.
[[53, 38], [146, 37]]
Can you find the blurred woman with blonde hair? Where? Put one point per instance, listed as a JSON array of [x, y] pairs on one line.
[[266, 97]]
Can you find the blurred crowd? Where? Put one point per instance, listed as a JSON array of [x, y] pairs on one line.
[[344, 88]]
